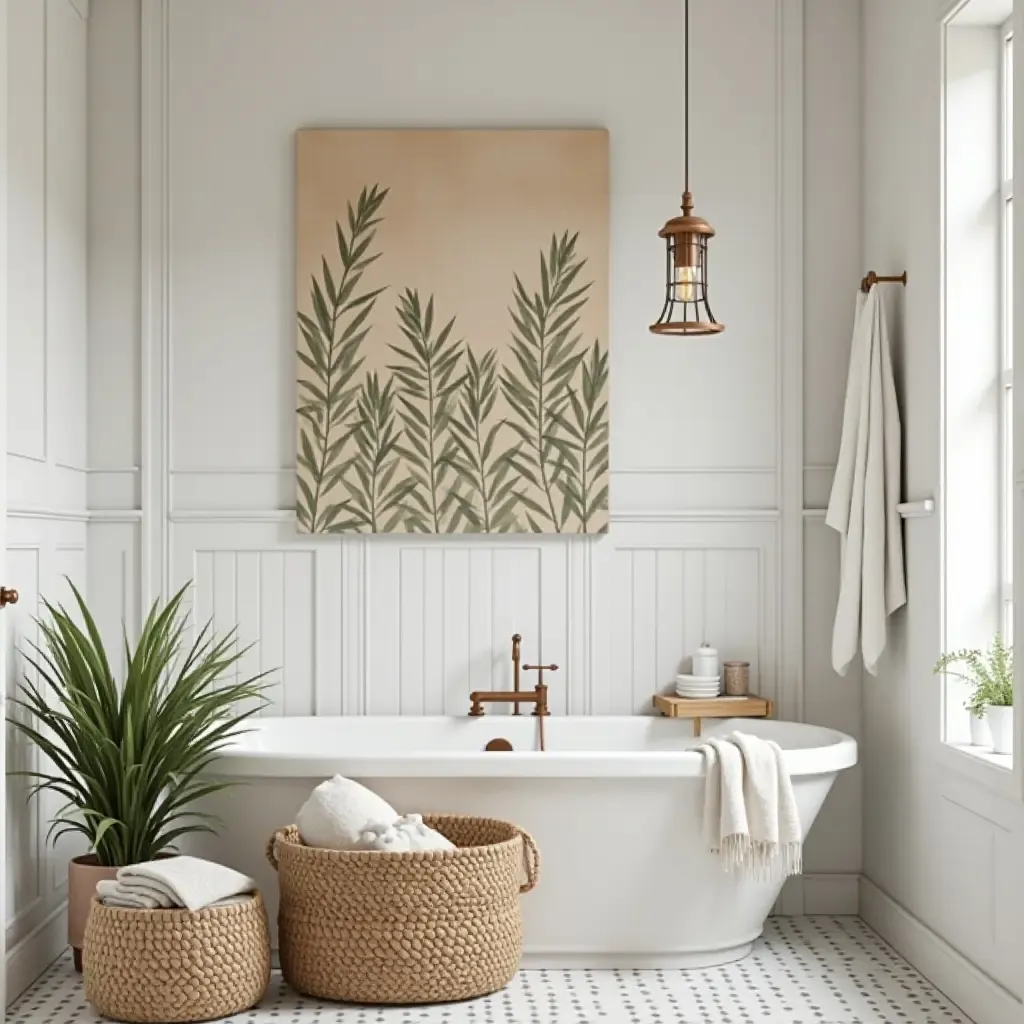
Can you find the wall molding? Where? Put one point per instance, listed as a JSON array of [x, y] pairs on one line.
[[29, 958], [155, 300], [820, 893], [979, 995]]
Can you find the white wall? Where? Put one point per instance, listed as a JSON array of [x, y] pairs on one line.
[[191, 385], [45, 409], [943, 838]]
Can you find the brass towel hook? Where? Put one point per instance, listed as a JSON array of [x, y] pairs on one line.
[[872, 278]]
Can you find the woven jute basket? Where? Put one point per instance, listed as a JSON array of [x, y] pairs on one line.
[[423, 927], [176, 965]]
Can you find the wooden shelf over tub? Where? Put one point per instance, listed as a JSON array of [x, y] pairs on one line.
[[750, 706]]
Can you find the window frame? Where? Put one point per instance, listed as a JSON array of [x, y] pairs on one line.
[[1002, 775], [1006, 481]]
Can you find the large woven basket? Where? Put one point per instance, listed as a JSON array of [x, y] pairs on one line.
[[176, 965], [425, 927]]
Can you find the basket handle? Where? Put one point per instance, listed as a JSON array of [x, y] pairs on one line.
[[531, 861], [272, 846]]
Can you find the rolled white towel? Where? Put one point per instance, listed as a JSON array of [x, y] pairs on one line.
[[338, 811], [183, 881], [405, 834], [422, 837]]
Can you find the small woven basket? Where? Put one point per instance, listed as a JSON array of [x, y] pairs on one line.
[[424, 927], [176, 965]]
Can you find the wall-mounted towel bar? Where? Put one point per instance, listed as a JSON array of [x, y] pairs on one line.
[[907, 509], [871, 278]]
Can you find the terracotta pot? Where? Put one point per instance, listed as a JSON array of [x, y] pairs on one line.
[[83, 874]]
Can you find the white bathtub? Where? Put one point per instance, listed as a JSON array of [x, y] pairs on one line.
[[614, 804]]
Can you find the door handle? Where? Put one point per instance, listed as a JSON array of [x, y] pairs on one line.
[[8, 596]]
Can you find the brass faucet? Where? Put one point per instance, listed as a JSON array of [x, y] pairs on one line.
[[538, 697]]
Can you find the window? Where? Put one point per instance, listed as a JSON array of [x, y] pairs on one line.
[[977, 395]]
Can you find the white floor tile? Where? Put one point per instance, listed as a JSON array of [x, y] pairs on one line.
[[807, 970]]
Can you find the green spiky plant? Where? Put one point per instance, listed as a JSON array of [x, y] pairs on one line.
[[127, 758], [988, 673]]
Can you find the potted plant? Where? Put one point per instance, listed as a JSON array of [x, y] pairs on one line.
[[990, 676], [127, 757]]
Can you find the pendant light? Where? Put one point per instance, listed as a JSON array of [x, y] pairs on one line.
[[686, 310]]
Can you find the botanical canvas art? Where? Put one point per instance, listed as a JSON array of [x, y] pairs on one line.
[[452, 331]]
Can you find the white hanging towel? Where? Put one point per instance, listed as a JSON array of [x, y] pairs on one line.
[[750, 815], [865, 493]]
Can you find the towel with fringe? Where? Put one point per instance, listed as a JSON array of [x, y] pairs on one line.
[[750, 814]]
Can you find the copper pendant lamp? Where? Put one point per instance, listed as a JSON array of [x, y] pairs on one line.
[[686, 310]]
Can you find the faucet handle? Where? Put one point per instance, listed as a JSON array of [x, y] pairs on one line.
[[540, 668]]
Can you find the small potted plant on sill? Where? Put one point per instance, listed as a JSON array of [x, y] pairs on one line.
[[127, 758], [990, 676]]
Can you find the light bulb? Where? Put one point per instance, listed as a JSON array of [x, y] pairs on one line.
[[687, 279]]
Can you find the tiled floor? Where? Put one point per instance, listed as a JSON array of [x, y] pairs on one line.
[[810, 970]]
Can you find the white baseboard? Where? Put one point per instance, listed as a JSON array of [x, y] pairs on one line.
[[819, 894], [36, 951], [980, 996]]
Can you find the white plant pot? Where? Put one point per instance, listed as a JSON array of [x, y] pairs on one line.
[[981, 733], [1000, 721]]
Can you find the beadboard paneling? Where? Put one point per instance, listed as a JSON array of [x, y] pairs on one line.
[[40, 554], [284, 594]]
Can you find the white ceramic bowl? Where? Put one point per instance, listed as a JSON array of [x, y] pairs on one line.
[[684, 680], [685, 692]]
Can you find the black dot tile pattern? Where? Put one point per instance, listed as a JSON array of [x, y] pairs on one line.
[[803, 970]]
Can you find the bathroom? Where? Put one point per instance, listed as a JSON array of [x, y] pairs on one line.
[[149, 287]]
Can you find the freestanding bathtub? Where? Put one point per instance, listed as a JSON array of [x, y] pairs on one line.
[[614, 804]]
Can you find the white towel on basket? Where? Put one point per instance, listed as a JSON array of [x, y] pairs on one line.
[[337, 813], [405, 834], [188, 882], [750, 813]]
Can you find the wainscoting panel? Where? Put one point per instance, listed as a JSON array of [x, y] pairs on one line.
[[441, 617], [284, 595], [664, 588], [41, 552], [410, 626]]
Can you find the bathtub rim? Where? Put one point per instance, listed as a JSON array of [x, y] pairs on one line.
[[827, 759]]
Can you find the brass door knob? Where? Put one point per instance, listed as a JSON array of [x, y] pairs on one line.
[[8, 596]]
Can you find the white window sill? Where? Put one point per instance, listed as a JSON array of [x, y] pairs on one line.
[[1004, 761], [993, 772]]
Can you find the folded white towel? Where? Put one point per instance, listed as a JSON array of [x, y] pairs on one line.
[[116, 894], [750, 814], [188, 882], [405, 834], [338, 811]]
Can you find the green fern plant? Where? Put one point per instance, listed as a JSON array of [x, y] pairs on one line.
[[128, 758], [988, 673]]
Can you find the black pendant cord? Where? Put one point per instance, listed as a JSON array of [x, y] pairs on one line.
[[686, 96]]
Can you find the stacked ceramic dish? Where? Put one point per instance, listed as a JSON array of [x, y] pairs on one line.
[[697, 687]]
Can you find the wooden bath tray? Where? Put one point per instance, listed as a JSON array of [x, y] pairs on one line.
[[750, 706]]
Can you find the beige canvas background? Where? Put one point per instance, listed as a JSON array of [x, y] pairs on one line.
[[465, 212]]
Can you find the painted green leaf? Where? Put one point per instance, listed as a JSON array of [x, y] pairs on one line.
[[332, 328]]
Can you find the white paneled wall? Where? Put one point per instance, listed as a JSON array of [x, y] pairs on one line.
[[191, 426], [46, 417]]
